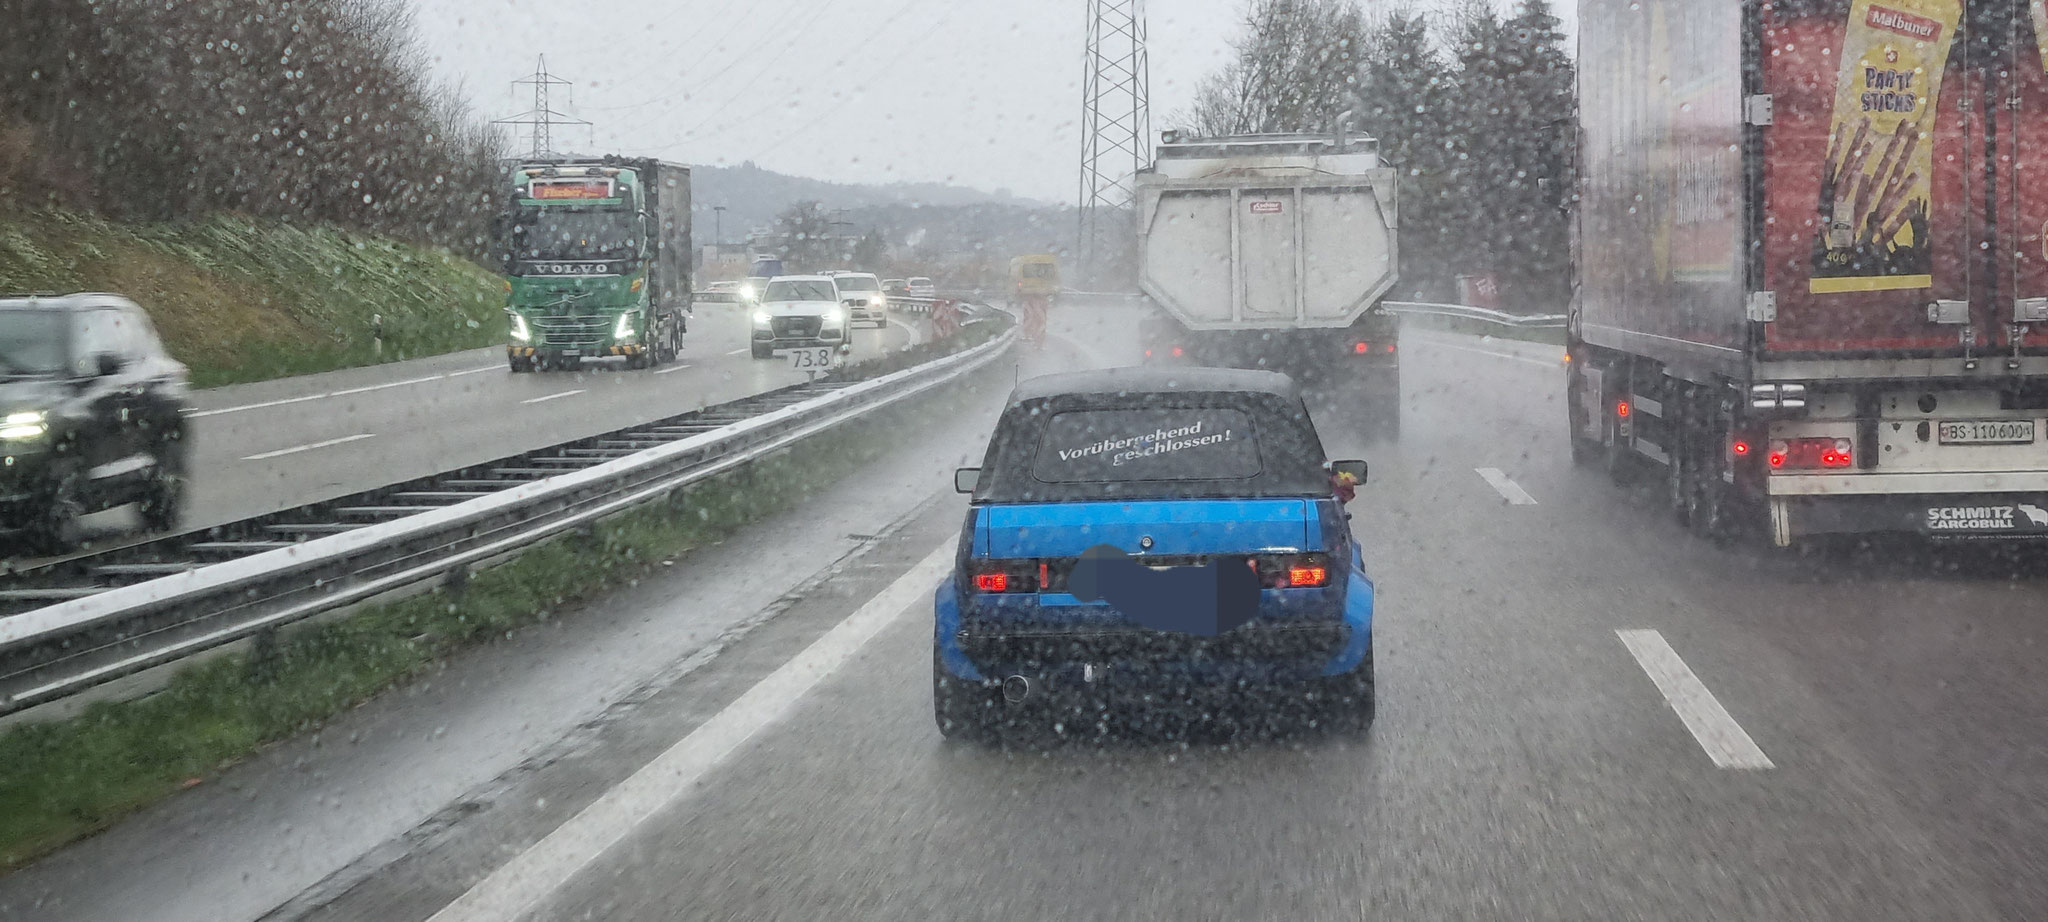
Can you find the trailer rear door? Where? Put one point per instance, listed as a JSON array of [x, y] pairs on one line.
[[1875, 179]]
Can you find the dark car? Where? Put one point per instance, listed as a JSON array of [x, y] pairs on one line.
[[1162, 533], [91, 416]]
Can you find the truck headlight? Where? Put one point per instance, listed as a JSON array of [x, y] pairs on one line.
[[760, 318], [627, 325], [18, 426], [834, 317], [519, 330]]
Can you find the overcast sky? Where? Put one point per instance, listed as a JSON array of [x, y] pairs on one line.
[[981, 93]]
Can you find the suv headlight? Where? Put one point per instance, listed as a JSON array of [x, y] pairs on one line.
[[519, 330], [877, 300], [627, 325], [834, 316], [30, 425]]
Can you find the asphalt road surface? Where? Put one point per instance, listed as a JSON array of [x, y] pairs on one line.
[[1584, 714], [259, 448]]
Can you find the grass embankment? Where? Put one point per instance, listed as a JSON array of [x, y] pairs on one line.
[[63, 780], [241, 300]]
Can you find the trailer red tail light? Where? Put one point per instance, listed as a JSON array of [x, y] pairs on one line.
[[1813, 454], [1390, 347], [1178, 352], [1621, 409], [1361, 348], [1741, 448]]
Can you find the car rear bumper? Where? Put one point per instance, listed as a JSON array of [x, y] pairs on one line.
[[1979, 516], [1269, 651]]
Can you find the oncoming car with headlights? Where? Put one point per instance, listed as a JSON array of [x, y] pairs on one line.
[[799, 311], [862, 296], [91, 416], [1158, 534]]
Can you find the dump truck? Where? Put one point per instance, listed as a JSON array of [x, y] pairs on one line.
[[597, 261], [1273, 252], [1810, 292]]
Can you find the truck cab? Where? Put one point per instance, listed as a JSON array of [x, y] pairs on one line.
[[596, 263]]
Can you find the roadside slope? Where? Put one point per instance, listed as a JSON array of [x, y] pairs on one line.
[[242, 300]]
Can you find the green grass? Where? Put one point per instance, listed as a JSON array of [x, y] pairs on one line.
[[241, 300], [63, 780]]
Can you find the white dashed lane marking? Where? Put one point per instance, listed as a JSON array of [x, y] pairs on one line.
[[1508, 489], [311, 446], [1724, 740], [553, 396]]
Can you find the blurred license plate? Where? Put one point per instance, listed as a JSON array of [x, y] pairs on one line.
[[810, 358], [572, 352], [1987, 432]]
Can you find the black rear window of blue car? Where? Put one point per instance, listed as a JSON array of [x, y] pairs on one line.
[[1167, 442], [1185, 443]]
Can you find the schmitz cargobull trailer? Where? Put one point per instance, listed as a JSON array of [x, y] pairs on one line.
[[1812, 293]]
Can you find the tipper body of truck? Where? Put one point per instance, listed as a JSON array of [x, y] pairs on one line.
[[597, 261], [1272, 252], [1811, 289]]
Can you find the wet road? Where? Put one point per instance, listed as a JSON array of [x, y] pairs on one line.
[[1584, 713], [262, 447]]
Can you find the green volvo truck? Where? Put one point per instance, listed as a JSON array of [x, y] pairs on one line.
[[597, 261]]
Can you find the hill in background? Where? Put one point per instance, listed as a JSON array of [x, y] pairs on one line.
[[753, 197]]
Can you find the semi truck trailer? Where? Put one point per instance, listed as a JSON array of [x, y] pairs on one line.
[[1272, 252], [1810, 289], [597, 261]]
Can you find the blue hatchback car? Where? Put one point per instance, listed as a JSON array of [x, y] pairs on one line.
[[1159, 533]]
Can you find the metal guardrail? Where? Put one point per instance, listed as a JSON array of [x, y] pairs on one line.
[[1484, 314], [65, 648]]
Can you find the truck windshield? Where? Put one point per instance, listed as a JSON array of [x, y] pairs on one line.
[[575, 233], [31, 342], [800, 290]]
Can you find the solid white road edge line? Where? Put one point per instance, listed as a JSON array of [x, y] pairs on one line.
[[1723, 739], [519, 885], [916, 337], [739, 350], [311, 446], [553, 396], [1508, 489]]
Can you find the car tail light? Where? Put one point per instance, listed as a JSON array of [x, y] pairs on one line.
[[1813, 454], [1006, 576], [1299, 577], [1292, 571]]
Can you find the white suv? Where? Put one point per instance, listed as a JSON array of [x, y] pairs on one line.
[[862, 296], [799, 311]]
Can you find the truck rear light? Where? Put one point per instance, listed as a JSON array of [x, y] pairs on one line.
[[1390, 348], [1740, 448], [1361, 348], [1813, 454], [1621, 409], [1178, 352]]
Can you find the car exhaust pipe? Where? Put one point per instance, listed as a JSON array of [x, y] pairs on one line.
[[1016, 688]]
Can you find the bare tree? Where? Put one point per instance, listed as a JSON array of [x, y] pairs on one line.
[[1295, 69]]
